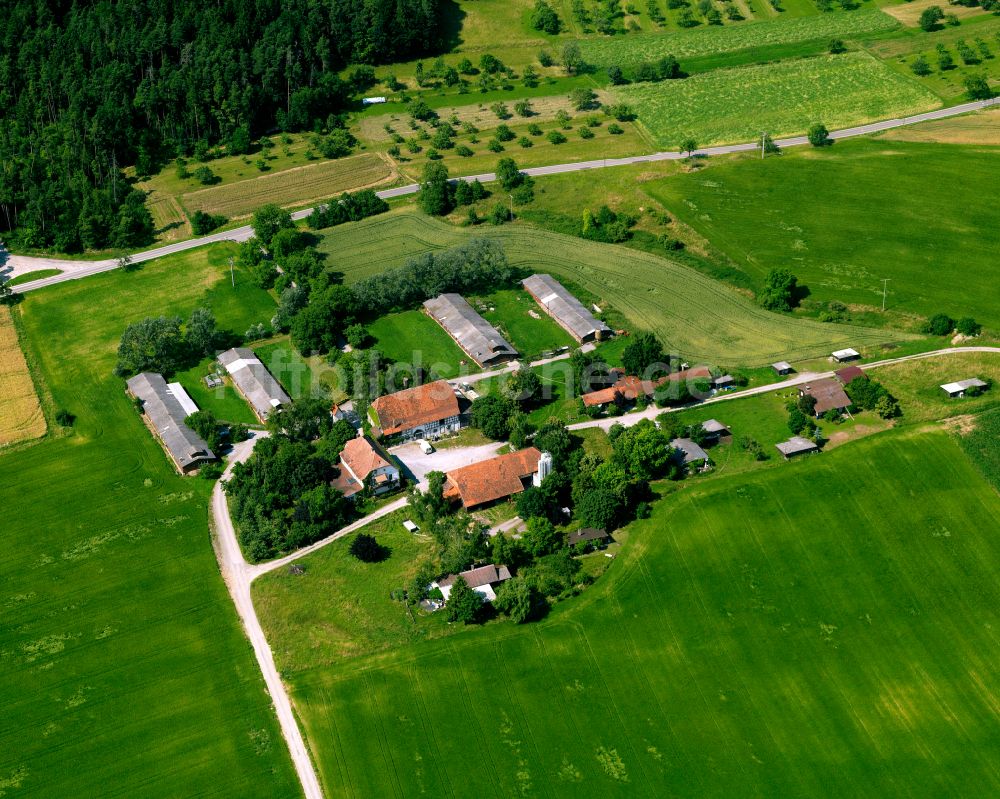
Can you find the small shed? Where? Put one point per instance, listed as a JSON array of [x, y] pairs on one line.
[[689, 452], [782, 367], [843, 356], [724, 382], [958, 388], [593, 535], [796, 445], [715, 430]]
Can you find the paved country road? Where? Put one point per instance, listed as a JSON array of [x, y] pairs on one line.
[[16, 265]]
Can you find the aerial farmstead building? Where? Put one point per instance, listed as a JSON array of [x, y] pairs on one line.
[[164, 411], [829, 395], [427, 411], [959, 388], [796, 445], [481, 580], [257, 385], [492, 480], [843, 356], [478, 338], [364, 460], [630, 388], [849, 373], [570, 314]]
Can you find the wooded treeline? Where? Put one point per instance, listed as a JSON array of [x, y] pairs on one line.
[[87, 88]]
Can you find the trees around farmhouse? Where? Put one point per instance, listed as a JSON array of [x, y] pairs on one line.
[[641, 353], [151, 345], [202, 332], [517, 599], [464, 604], [491, 414]]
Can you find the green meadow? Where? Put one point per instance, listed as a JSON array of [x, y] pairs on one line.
[[783, 98], [693, 314], [123, 668], [765, 634], [930, 232]]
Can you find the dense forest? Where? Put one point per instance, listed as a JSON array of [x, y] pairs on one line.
[[87, 88]]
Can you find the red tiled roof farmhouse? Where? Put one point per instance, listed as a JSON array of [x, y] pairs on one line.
[[629, 388], [413, 407], [362, 457], [492, 479]]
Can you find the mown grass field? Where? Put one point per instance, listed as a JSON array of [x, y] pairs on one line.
[[693, 314], [982, 127], [124, 671], [735, 105], [38, 274], [769, 635], [511, 313], [343, 605], [297, 186], [21, 416], [917, 384], [412, 337], [931, 234], [712, 40]]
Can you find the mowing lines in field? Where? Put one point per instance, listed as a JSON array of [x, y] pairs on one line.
[[735, 105], [21, 416], [634, 48], [301, 185], [429, 731]]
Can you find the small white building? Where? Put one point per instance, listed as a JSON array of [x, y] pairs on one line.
[[842, 356], [958, 388]]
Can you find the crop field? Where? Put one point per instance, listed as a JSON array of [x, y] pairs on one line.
[[744, 36], [735, 105], [296, 186], [917, 384], [931, 234], [21, 416], [124, 671], [169, 220], [874, 631], [909, 13], [693, 314], [982, 127]]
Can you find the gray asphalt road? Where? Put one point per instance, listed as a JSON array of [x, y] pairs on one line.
[[75, 270]]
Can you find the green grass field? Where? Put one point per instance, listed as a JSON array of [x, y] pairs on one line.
[[510, 312], [27, 277], [409, 336], [785, 98], [767, 634], [931, 233], [694, 315], [711, 40], [124, 671]]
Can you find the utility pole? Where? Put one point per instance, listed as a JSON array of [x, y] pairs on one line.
[[232, 275], [885, 281], [511, 207], [763, 135]]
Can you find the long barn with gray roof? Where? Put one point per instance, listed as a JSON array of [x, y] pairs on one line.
[[571, 314], [478, 338], [165, 417], [254, 382]]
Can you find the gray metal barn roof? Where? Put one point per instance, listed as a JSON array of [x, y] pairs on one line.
[[253, 380], [480, 340], [690, 451], [564, 307], [796, 445], [165, 414]]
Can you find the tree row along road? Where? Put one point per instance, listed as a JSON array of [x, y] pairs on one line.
[[238, 574], [74, 270]]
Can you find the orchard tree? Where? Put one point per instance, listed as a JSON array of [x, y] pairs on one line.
[[436, 196], [367, 549], [688, 146], [930, 18], [544, 18]]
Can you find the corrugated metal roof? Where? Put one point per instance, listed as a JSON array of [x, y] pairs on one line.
[[564, 307], [253, 380], [183, 398], [692, 452], [481, 341], [166, 415], [795, 445], [962, 385]]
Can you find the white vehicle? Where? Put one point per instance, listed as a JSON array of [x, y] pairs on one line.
[[425, 446]]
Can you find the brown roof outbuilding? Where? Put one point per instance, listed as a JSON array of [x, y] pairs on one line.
[[493, 479], [829, 396]]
